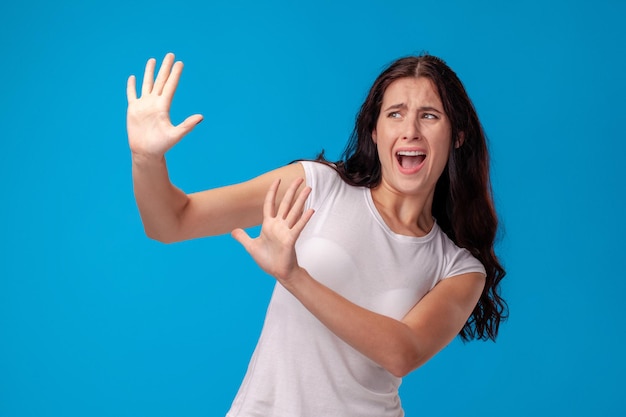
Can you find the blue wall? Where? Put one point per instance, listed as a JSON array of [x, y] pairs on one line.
[[97, 320]]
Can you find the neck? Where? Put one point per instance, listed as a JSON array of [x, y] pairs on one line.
[[404, 214]]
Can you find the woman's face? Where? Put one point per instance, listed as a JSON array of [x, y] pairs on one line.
[[412, 136]]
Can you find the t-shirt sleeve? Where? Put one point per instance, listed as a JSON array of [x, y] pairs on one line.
[[462, 261], [322, 179]]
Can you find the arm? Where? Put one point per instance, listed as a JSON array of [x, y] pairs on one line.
[[397, 345], [168, 214]]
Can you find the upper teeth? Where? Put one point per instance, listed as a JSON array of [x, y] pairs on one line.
[[411, 153]]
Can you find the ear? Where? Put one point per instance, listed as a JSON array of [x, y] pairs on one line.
[[459, 140], [374, 136]]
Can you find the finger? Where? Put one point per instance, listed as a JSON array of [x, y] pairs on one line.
[[148, 77], [242, 237], [295, 213], [172, 81], [304, 219], [269, 205], [131, 89], [189, 123], [164, 73], [287, 201]]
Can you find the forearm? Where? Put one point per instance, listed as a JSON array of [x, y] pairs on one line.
[[386, 341], [399, 346], [160, 203]]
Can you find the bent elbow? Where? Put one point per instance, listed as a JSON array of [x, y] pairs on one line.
[[163, 240], [159, 237], [400, 370], [404, 364]]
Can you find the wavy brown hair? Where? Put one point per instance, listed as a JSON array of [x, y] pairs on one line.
[[463, 202]]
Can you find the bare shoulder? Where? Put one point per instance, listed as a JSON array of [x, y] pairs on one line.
[[220, 210]]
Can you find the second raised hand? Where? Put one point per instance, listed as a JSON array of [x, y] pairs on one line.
[[150, 130], [274, 249]]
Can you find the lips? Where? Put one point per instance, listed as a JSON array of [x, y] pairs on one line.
[[410, 160]]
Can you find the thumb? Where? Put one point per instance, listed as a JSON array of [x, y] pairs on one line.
[[242, 237], [189, 123]]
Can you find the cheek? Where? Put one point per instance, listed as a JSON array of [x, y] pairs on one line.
[[444, 150]]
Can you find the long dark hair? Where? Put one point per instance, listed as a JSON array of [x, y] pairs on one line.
[[463, 203]]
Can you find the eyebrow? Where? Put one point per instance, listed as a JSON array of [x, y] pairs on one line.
[[396, 107], [404, 106]]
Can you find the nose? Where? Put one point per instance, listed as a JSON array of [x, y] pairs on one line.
[[411, 129]]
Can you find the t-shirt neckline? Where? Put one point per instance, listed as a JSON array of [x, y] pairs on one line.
[[379, 218]]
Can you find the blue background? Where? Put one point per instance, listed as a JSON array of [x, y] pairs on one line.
[[97, 320]]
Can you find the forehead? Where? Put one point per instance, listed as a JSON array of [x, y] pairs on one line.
[[412, 90]]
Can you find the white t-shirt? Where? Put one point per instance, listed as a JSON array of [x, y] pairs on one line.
[[301, 369]]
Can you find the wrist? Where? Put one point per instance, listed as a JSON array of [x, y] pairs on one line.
[[297, 281], [144, 159]]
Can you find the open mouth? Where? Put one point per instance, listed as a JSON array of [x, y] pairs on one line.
[[410, 159]]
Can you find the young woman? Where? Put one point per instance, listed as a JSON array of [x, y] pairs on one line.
[[381, 258]]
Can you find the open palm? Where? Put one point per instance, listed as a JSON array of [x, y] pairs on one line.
[[150, 130], [274, 249]]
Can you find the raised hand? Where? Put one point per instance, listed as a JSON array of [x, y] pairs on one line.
[[274, 249], [150, 130]]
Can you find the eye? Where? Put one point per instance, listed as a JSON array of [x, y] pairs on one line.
[[394, 115], [429, 116]]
